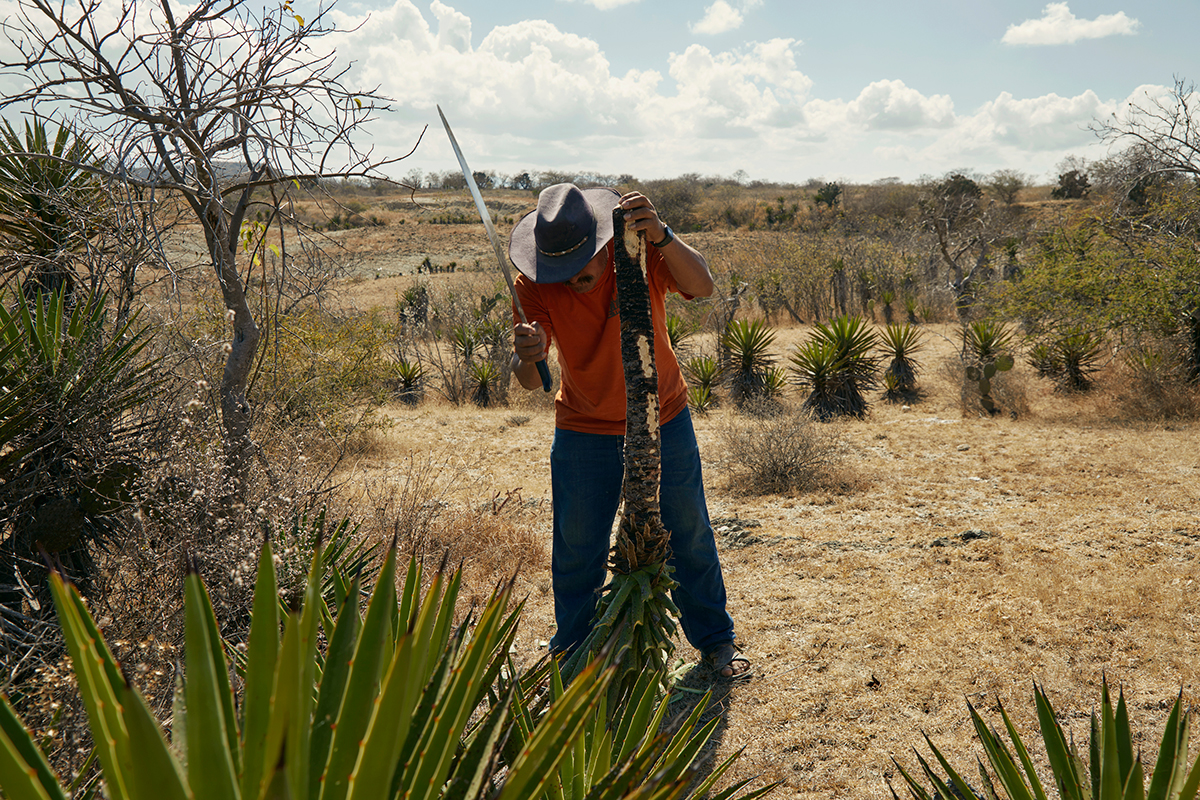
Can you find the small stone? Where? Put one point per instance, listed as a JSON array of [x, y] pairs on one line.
[[962, 448]]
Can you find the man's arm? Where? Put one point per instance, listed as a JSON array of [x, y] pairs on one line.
[[687, 266], [529, 347]]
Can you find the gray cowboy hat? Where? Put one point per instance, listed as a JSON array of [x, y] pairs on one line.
[[569, 227]]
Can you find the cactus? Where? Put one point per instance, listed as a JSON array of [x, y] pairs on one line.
[[982, 375]]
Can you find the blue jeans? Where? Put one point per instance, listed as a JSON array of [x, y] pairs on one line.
[[586, 472]]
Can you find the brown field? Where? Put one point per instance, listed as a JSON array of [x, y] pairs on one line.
[[954, 559]]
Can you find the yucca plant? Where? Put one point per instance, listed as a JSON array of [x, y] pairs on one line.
[[836, 366], [984, 341], [68, 469], [1044, 360], [985, 352], [1078, 352], [50, 203], [1112, 770], [704, 375], [410, 381], [748, 345], [398, 703], [635, 618], [899, 343], [484, 376], [679, 330]]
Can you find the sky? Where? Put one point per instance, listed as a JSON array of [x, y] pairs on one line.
[[775, 90]]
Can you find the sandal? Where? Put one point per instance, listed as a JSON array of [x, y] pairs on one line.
[[724, 657]]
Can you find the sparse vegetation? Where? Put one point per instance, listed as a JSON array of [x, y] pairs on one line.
[[885, 600], [778, 450]]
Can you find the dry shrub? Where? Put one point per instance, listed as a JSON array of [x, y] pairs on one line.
[[1149, 385], [779, 450], [434, 505]]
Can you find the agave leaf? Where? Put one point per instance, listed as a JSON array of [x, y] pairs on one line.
[[211, 764], [1111, 780], [98, 678], [1171, 764], [369, 658], [457, 704], [1135, 784], [1192, 785], [1035, 783], [1124, 737], [24, 771], [1006, 770], [918, 790], [533, 768], [158, 773], [299, 733], [262, 654], [469, 778], [392, 715], [941, 787], [1062, 763], [338, 660]]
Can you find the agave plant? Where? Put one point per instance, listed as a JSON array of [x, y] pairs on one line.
[[748, 344], [899, 343], [399, 703], [1112, 771], [836, 366]]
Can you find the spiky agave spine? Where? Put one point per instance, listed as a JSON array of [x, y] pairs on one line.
[[635, 615]]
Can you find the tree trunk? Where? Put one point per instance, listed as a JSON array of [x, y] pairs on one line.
[[239, 360]]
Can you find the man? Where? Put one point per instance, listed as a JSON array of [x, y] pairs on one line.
[[567, 287]]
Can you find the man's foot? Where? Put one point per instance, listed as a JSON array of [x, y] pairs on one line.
[[726, 664]]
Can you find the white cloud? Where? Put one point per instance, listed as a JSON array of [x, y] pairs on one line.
[[890, 105], [722, 17], [718, 18], [734, 93], [1058, 25], [608, 5]]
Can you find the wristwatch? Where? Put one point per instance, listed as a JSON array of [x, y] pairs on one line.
[[668, 235]]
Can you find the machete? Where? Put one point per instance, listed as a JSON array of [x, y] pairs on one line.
[[486, 216]]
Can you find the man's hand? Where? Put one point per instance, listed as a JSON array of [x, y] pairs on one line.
[[640, 215], [529, 346], [688, 267]]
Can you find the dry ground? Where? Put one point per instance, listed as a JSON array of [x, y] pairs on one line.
[[966, 559]]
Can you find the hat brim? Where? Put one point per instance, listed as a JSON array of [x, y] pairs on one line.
[[541, 268]]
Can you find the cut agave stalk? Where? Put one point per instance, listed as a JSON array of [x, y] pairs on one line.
[[635, 613]]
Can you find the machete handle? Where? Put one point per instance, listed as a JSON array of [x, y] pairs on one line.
[[544, 371]]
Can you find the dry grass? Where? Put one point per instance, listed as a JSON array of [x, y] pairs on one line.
[[954, 557], [966, 558]]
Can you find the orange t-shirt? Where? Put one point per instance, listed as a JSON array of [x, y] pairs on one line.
[[587, 332]]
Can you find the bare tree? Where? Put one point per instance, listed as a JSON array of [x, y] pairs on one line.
[[208, 107], [1165, 132]]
